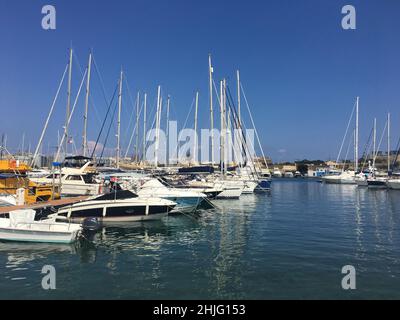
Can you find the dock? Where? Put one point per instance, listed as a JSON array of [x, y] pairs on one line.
[[40, 205]]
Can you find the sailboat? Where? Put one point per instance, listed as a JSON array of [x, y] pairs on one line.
[[381, 182], [347, 176]]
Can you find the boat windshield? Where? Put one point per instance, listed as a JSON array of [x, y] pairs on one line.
[[117, 195]]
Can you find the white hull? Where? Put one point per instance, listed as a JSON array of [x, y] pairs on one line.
[[249, 187], [393, 184], [8, 234], [122, 210], [22, 227], [230, 193], [343, 178]]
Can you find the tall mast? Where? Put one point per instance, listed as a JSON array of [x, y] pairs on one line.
[[144, 126], [356, 137], [23, 145], [374, 148], [167, 129], [137, 128], [119, 120], [221, 94], [195, 129], [388, 143], [211, 70], [85, 117], [157, 125], [238, 95], [68, 99], [225, 127]]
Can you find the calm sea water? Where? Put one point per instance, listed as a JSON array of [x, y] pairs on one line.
[[290, 243]]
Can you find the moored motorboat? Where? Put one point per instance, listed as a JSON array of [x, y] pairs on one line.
[[393, 184], [377, 182], [118, 206], [21, 226], [345, 177], [186, 200]]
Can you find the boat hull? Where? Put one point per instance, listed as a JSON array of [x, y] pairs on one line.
[[393, 185], [377, 184], [8, 234], [111, 212]]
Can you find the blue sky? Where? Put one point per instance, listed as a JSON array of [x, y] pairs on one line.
[[300, 69]]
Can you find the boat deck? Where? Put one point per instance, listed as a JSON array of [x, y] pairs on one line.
[[39, 205]]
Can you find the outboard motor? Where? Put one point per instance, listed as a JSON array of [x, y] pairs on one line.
[[91, 224]]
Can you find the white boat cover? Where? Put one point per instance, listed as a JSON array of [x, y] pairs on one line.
[[22, 216]]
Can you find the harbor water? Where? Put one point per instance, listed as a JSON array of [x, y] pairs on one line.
[[290, 243]]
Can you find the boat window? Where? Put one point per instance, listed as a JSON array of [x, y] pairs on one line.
[[88, 178], [74, 178]]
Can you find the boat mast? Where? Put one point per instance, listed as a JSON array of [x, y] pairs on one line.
[[47, 120], [167, 128], [211, 70], [137, 128], [195, 129], [238, 96], [374, 151], [222, 152], [68, 100], [119, 121], [157, 125], [85, 117], [23, 145], [242, 149], [225, 128], [144, 127], [356, 138], [388, 143]]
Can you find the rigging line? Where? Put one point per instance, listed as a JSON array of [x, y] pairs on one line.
[[345, 134], [366, 150], [241, 136], [104, 121], [347, 153], [254, 127], [91, 102], [231, 108], [380, 142], [133, 104], [48, 117], [397, 154], [187, 117], [152, 125], [134, 129], [108, 131], [70, 115]]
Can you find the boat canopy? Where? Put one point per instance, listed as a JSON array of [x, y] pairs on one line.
[[117, 195], [22, 216]]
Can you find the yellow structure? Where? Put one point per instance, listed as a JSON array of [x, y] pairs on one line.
[[13, 177]]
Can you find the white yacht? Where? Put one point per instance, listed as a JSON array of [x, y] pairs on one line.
[[186, 200], [393, 184], [346, 177], [276, 173], [75, 180]]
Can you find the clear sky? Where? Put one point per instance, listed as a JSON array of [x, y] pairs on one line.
[[300, 69]]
